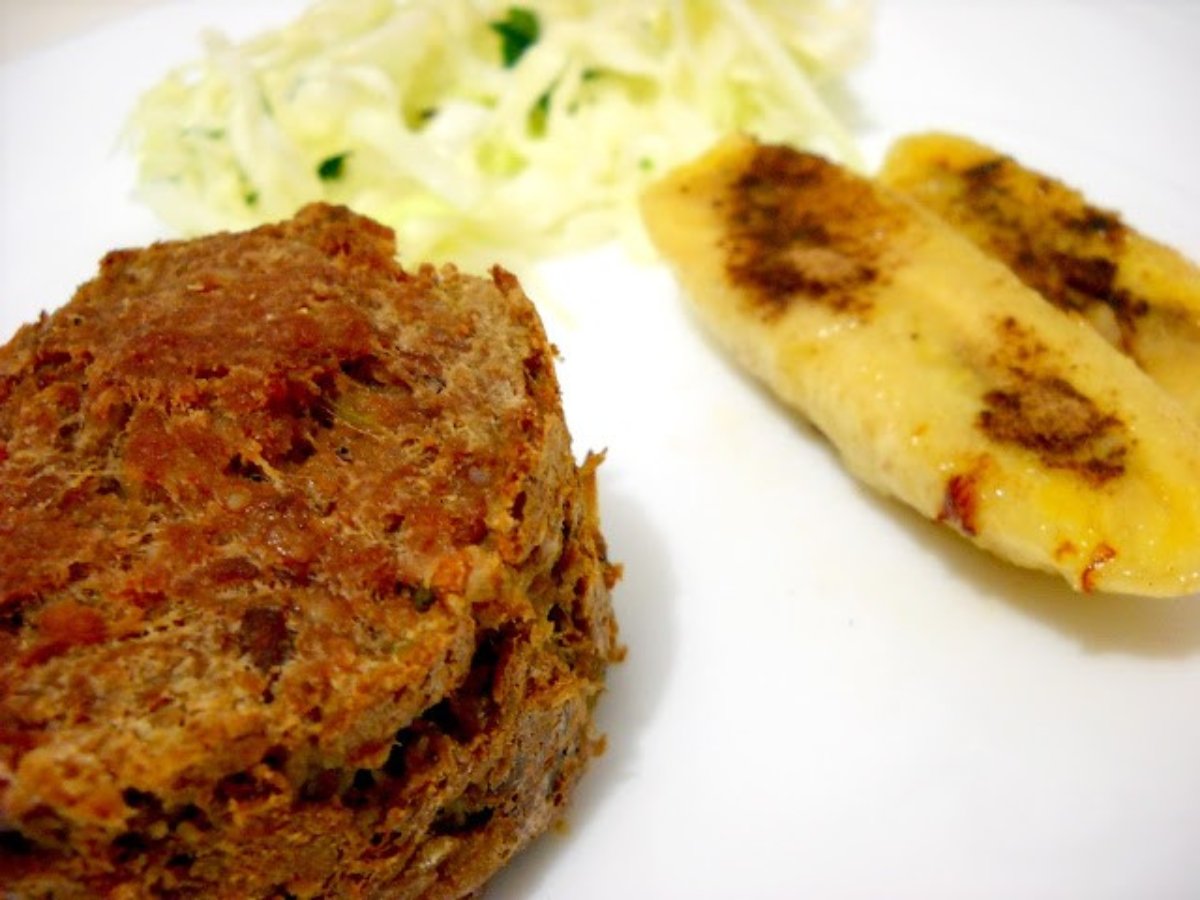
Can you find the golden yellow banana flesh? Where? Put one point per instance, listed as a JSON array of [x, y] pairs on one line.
[[937, 374], [1143, 297]]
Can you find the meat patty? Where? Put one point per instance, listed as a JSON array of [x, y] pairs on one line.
[[301, 590]]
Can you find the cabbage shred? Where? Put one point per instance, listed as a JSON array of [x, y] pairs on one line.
[[483, 131]]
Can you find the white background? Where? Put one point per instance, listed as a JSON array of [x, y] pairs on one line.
[[825, 695]]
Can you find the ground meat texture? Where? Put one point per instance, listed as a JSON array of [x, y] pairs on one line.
[[301, 590]]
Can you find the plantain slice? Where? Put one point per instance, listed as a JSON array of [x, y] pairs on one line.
[[1142, 296], [939, 377]]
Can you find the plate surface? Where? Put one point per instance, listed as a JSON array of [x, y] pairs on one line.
[[825, 695]]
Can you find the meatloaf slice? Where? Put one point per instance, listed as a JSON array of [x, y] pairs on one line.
[[301, 590]]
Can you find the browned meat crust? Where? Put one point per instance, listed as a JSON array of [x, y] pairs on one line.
[[301, 590]]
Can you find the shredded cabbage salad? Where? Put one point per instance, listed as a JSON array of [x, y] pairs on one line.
[[484, 130]]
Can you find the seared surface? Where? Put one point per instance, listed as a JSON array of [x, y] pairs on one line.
[[940, 378], [300, 588], [1141, 296]]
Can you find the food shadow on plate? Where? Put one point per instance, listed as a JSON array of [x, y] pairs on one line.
[[644, 600], [1151, 627]]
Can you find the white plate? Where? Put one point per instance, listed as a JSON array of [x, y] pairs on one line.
[[825, 695]]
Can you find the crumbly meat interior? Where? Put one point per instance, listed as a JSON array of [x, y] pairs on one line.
[[301, 590]]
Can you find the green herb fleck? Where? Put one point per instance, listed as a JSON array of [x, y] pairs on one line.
[[330, 168], [212, 134], [518, 30], [539, 113], [250, 198]]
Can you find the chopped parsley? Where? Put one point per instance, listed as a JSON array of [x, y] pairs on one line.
[[330, 168], [518, 30], [539, 113]]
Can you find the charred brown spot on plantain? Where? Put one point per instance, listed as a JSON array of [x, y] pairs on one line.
[[1102, 555], [1034, 407], [1048, 416], [1068, 256], [802, 229], [960, 502]]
